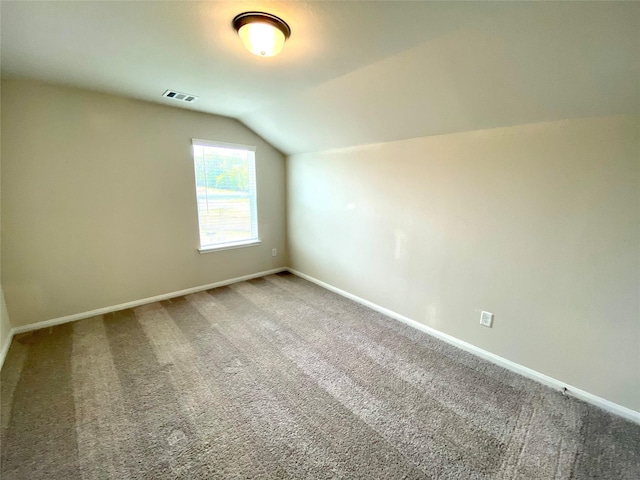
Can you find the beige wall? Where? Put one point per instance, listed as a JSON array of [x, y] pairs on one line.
[[98, 201], [538, 224]]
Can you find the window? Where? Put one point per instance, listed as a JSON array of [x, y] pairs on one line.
[[226, 194]]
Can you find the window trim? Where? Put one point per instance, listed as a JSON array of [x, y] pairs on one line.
[[228, 245], [211, 143]]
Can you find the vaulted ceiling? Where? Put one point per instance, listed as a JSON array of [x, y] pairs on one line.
[[352, 72]]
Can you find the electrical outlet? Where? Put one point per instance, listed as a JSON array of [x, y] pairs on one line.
[[274, 252], [486, 319]]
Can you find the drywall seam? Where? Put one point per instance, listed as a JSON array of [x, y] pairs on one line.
[[136, 303], [496, 359]]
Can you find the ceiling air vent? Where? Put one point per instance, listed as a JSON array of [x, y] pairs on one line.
[[183, 97]]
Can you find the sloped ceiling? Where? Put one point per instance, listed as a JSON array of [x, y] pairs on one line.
[[352, 72]]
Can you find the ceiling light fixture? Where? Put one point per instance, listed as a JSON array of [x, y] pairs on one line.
[[262, 33]]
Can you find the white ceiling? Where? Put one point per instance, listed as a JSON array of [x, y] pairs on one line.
[[352, 72]]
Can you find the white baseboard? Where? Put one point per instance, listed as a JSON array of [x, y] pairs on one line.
[[136, 303], [5, 348], [496, 359], [114, 308]]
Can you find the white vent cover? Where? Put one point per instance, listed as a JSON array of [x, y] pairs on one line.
[[183, 97]]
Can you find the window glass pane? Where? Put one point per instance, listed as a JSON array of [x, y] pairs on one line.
[[226, 194]]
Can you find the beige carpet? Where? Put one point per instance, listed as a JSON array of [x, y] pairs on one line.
[[279, 378]]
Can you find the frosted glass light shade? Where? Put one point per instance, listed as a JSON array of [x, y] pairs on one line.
[[262, 33], [262, 39]]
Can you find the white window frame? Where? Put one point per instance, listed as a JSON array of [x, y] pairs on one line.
[[253, 197]]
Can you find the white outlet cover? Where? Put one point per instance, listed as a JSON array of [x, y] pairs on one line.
[[486, 319]]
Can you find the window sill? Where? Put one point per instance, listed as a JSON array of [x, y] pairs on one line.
[[229, 246]]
